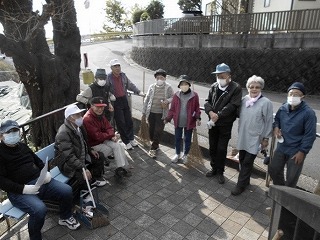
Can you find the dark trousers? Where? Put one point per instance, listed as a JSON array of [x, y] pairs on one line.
[[219, 137], [156, 126], [96, 167], [246, 165], [276, 169], [123, 118]]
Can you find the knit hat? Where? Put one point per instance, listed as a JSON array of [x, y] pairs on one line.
[[160, 72], [299, 86]]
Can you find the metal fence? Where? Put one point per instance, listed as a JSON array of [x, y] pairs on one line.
[[282, 21]]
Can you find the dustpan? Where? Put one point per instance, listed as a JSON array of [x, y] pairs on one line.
[[97, 217]]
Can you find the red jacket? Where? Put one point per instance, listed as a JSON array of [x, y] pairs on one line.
[[98, 128], [193, 110]]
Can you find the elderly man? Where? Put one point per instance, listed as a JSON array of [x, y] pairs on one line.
[[119, 84], [102, 138], [73, 152], [295, 128], [19, 171], [222, 105], [99, 88]]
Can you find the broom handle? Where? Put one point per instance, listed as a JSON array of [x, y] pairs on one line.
[[144, 81], [89, 188]]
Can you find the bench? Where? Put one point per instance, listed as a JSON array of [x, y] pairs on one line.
[[8, 210]]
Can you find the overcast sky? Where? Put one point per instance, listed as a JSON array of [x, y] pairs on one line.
[[91, 20]]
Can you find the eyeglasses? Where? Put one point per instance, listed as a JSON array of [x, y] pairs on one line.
[[254, 87], [13, 130]]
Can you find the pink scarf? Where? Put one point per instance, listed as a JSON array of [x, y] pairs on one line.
[[251, 101]]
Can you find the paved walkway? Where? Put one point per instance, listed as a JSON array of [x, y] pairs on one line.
[[170, 201]]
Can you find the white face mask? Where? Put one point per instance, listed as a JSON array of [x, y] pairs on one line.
[[184, 88], [11, 138], [78, 121], [101, 82], [160, 82], [294, 101], [222, 82]]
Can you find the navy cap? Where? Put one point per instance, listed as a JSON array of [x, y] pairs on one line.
[[299, 86], [221, 68], [8, 125]]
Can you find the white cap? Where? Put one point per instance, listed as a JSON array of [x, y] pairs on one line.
[[114, 62], [72, 109]]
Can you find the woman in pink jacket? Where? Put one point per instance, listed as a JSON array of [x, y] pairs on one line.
[[185, 111]]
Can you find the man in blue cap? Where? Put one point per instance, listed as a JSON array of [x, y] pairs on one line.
[[19, 171], [295, 126], [222, 105]]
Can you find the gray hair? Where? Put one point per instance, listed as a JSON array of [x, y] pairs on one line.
[[255, 79]]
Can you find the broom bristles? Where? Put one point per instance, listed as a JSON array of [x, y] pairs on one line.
[[144, 132], [99, 220], [195, 156]]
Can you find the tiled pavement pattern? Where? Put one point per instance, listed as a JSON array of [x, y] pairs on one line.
[[170, 201]]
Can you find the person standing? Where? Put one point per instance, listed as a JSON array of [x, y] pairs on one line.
[[119, 84], [155, 108], [102, 138], [19, 170], [99, 88], [295, 127], [73, 152], [222, 105], [185, 112], [255, 128]]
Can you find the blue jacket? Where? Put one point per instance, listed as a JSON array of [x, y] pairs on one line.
[[298, 127]]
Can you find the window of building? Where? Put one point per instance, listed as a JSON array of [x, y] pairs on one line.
[[267, 3]]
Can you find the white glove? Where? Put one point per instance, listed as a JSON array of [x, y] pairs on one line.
[[30, 189], [48, 178], [142, 94]]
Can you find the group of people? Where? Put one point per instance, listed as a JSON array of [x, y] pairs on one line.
[[86, 142]]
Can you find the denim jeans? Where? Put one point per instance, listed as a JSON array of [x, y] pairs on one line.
[[34, 206], [276, 169], [187, 139]]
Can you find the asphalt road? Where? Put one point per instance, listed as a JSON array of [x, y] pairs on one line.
[[100, 54]]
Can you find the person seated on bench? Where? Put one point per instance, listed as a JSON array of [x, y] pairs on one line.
[[102, 138], [72, 151], [19, 171]]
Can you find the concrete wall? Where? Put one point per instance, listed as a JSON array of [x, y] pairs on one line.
[[273, 41], [298, 4]]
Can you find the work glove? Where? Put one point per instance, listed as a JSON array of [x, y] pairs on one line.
[[48, 178], [142, 94], [30, 189]]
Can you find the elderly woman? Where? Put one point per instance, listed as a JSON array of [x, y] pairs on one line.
[[255, 127]]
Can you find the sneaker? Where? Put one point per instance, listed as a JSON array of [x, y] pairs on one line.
[[129, 146], [134, 143], [100, 182], [237, 190], [175, 158], [71, 223], [152, 153], [221, 179], [184, 159], [211, 173]]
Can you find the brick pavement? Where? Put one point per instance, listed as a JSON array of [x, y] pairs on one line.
[[170, 201]]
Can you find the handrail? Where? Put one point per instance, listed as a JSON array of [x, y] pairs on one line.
[[280, 21]]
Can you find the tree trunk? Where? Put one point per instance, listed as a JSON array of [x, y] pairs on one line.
[[51, 80]]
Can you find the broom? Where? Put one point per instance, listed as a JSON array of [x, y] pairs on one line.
[[98, 219], [195, 155], [144, 127]]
